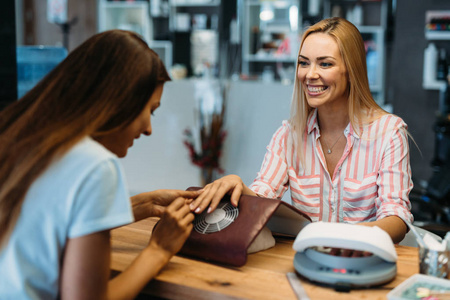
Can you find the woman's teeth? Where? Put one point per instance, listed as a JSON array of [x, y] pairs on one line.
[[316, 89]]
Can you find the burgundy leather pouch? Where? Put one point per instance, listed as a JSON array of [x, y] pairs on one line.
[[229, 245]]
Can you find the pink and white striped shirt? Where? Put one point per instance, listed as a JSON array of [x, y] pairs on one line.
[[372, 179]]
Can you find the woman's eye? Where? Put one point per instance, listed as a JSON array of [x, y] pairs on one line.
[[302, 63], [326, 64]]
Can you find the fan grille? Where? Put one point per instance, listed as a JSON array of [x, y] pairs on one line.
[[219, 219]]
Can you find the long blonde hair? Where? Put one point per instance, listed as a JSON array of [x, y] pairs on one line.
[[101, 86], [362, 108]]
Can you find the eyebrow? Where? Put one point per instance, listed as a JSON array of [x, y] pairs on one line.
[[319, 58]]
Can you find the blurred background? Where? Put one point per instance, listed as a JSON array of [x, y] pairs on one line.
[[233, 64]]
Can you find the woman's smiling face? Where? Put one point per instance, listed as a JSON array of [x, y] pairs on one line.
[[322, 71]]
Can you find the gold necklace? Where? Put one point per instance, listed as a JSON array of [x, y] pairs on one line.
[[330, 149]]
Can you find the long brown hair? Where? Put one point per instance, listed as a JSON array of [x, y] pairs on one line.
[[100, 87], [362, 108]]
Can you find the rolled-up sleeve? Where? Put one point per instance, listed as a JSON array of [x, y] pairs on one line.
[[394, 177], [272, 179]]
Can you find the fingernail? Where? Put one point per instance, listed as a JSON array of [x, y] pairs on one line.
[[209, 210], [197, 210], [192, 206]]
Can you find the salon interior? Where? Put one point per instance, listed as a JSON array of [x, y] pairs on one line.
[[233, 65]]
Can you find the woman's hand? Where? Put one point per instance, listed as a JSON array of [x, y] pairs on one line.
[[215, 191], [167, 239], [153, 204], [174, 227], [349, 252]]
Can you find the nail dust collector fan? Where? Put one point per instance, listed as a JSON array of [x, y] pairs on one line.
[[229, 234], [312, 262], [219, 219]]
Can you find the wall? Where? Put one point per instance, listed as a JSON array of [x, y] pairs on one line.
[[410, 101], [162, 161], [251, 121], [404, 77]]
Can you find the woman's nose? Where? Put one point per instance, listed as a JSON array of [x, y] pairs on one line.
[[312, 73], [148, 130]]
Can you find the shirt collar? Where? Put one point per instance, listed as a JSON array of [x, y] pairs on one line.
[[313, 124]]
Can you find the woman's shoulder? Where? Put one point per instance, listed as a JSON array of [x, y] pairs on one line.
[[282, 133], [84, 156], [384, 120], [90, 148], [390, 120], [286, 128], [385, 124]]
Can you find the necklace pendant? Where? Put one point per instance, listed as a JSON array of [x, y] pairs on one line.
[[329, 151]]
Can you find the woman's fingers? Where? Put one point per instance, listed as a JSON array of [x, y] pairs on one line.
[[214, 192], [236, 195], [222, 190], [190, 194], [348, 252], [209, 193]]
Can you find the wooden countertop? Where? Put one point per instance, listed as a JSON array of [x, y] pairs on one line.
[[262, 277]]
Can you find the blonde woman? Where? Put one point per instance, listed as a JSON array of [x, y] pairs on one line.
[[61, 185], [342, 156]]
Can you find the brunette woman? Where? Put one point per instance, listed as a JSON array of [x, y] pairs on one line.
[[62, 188]]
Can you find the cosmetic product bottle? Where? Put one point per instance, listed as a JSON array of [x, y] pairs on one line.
[[357, 14], [430, 63], [372, 64]]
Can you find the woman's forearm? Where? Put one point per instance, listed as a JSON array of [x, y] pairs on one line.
[[393, 225], [141, 207], [144, 268]]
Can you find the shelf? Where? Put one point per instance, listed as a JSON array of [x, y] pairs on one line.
[[280, 27], [434, 85], [194, 4], [133, 16], [376, 88], [283, 5], [437, 35], [370, 29], [270, 58], [124, 4], [355, 1]]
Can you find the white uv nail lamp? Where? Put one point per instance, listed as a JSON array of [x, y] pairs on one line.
[[312, 261]]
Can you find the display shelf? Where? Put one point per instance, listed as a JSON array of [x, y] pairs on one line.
[[434, 20], [270, 34], [179, 3], [434, 85], [257, 31], [124, 4], [270, 58], [376, 88], [133, 16], [199, 31], [373, 31], [437, 35]]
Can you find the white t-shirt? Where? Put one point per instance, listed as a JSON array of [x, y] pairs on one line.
[[81, 193]]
